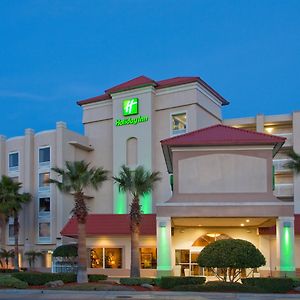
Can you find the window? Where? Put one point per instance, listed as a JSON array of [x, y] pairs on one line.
[[44, 156], [110, 258], [148, 258], [44, 231], [178, 123], [15, 179], [44, 206], [13, 161], [43, 180], [11, 231]]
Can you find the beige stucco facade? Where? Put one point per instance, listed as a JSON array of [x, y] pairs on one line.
[[210, 183]]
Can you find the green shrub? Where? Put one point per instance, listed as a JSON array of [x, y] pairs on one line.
[[8, 271], [97, 277], [296, 282], [271, 285], [219, 286], [43, 278], [68, 250], [137, 280], [169, 282], [231, 256], [11, 282]]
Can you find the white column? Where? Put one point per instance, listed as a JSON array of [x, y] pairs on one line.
[[30, 210], [285, 239], [260, 123], [296, 145], [164, 246], [2, 155]]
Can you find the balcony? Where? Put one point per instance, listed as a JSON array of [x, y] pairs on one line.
[[284, 190], [288, 136], [279, 165]]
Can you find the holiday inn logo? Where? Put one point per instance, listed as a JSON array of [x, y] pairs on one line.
[[130, 107]]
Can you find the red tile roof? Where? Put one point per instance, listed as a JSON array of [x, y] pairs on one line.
[[222, 135], [110, 224], [142, 81], [218, 135], [272, 230], [137, 82], [94, 99]]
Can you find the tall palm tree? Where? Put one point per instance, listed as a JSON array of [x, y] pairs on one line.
[[11, 202], [137, 182], [294, 163], [77, 176]]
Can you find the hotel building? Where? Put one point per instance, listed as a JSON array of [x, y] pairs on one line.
[[221, 178]]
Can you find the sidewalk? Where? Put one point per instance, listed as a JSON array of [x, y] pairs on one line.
[[99, 295]]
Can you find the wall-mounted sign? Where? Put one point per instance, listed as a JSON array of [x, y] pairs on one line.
[[132, 121], [130, 107]]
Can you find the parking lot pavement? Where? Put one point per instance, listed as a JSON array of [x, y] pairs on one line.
[[117, 295]]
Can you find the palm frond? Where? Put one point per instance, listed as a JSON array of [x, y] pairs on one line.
[[294, 163]]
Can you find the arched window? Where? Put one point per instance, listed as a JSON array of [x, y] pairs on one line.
[[208, 238], [131, 152]]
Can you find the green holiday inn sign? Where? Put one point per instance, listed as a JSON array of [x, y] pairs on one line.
[[130, 107]]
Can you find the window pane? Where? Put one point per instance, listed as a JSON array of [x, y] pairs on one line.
[[43, 179], [148, 258], [96, 257], [44, 230], [44, 205], [11, 230], [113, 258], [182, 256], [179, 123], [13, 160], [44, 155]]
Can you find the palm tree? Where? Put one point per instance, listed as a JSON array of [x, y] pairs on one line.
[[6, 255], [11, 202], [137, 182], [78, 176], [294, 164], [32, 256]]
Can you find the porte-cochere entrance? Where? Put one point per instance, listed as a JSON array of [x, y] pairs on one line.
[[186, 259]]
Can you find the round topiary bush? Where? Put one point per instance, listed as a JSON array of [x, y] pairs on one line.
[[231, 256], [69, 250]]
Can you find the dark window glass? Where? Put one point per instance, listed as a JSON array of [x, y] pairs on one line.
[[44, 155], [44, 205], [13, 160]]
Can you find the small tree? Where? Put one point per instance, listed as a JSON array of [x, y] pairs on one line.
[[231, 256], [6, 255], [32, 256], [67, 253], [294, 163]]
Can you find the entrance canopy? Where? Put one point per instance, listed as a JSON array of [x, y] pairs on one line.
[[110, 224]]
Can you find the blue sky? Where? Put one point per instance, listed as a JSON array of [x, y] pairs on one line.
[[54, 53]]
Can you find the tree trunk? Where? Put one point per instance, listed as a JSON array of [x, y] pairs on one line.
[[16, 236], [135, 217], [135, 253], [82, 255], [80, 211]]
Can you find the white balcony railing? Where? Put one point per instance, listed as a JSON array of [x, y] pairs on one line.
[[280, 165], [289, 138], [284, 190]]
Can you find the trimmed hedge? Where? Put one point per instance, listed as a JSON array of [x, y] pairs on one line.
[[11, 282], [272, 285], [219, 286], [168, 282], [137, 281], [97, 277], [8, 271], [43, 278]]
